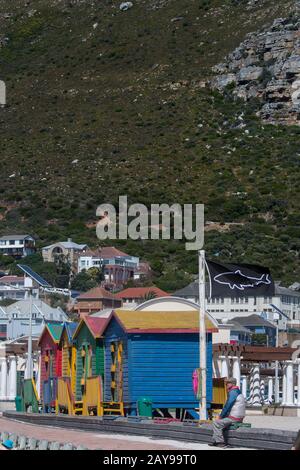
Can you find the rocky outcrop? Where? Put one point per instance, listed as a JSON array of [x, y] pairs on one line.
[[266, 66]]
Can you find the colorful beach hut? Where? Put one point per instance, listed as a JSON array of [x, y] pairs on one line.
[[51, 362], [153, 354], [68, 352], [89, 352]]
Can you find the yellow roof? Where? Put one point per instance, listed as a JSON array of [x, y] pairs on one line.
[[162, 320]]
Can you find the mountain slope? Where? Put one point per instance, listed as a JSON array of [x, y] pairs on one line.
[[103, 103]]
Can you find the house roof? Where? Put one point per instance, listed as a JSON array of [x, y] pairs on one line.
[[68, 245], [94, 324], [19, 345], [140, 292], [93, 253], [279, 290], [143, 321], [15, 237], [253, 320], [39, 308], [111, 252], [106, 252], [191, 290], [235, 326], [97, 293], [8, 279]]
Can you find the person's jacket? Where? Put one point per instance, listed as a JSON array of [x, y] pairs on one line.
[[235, 406]]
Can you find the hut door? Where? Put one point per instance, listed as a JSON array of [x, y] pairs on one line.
[[69, 360], [116, 349], [86, 354], [49, 363]]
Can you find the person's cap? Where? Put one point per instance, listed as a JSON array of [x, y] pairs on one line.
[[8, 444], [231, 380]]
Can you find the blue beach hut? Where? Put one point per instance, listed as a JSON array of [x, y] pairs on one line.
[[153, 354]]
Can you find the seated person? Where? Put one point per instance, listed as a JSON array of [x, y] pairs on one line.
[[233, 411]]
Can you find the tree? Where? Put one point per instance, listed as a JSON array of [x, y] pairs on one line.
[[83, 282], [57, 300], [150, 295], [96, 273], [259, 339]]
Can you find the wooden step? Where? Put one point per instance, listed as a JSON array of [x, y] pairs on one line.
[[113, 407]]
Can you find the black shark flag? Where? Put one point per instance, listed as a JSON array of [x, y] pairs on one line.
[[239, 280]]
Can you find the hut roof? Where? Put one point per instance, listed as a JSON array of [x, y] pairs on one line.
[[161, 321], [70, 328], [54, 329], [140, 292], [94, 324]]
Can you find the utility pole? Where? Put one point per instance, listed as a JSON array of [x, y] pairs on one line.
[[202, 336], [29, 356]]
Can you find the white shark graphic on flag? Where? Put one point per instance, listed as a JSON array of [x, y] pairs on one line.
[[238, 280]]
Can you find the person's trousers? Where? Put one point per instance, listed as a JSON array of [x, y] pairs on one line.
[[219, 425]]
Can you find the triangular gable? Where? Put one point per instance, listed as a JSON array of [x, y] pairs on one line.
[[85, 321], [113, 316], [54, 333], [69, 328]]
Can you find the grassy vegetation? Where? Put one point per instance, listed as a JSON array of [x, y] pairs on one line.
[[103, 103]]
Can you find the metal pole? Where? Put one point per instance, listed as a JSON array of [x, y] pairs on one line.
[[202, 335], [276, 371], [29, 357]]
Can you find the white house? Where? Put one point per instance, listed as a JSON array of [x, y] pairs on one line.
[[285, 300], [118, 267], [17, 246], [12, 287], [14, 319]]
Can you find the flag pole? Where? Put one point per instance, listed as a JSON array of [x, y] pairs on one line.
[[29, 356], [202, 336]]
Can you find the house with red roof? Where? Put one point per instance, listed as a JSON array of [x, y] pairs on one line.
[[118, 267], [136, 295], [94, 300]]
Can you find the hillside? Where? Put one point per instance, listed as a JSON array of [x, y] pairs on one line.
[[103, 102]]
